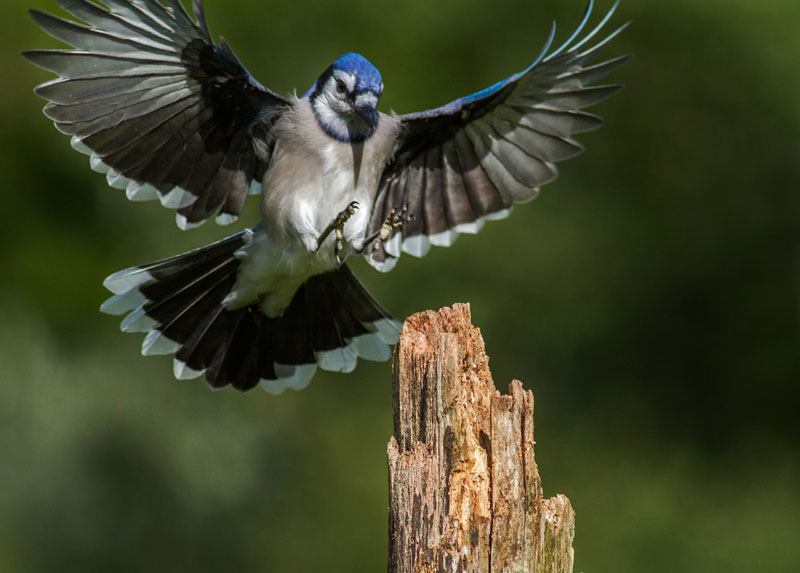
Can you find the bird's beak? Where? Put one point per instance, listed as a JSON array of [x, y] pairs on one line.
[[369, 115]]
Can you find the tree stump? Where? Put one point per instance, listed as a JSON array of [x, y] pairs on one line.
[[465, 492]]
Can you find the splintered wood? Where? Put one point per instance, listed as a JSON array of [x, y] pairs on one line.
[[465, 493]]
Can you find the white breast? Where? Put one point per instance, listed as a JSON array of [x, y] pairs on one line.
[[310, 180]]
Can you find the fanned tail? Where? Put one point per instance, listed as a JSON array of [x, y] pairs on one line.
[[331, 321]]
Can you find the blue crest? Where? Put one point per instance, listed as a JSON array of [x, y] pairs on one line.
[[368, 76]]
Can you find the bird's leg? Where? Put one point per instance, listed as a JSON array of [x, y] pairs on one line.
[[394, 220], [337, 226]]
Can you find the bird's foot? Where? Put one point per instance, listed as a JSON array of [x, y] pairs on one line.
[[394, 220], [337, 227]]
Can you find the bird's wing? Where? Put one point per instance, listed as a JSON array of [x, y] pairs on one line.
[[161, 109], [470, 160]]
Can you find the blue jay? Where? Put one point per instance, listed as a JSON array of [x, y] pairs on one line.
[[168, 114]]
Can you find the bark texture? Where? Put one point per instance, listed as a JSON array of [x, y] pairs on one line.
[[465, 493]]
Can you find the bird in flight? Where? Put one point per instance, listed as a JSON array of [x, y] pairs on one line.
[[168, 114]]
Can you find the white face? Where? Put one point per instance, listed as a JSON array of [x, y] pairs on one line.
[[336, 92], [336, 107], [342, 83]]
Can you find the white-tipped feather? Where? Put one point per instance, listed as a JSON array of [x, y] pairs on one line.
[[387, 329], [293, 376], [225, 218], [470, 228], [337, 360], [173, 198], [137, 321], [78, 145], [141, 192], [273, 386], [97, 164], [384, 266], [127, 279], [370, 347], [156, 343], [443, 239], [116, 180], [411, 245], [184, 224], [393, 245], [183, 372], [176, 198], [284, 371], [418, 245], [122, 303], [497, 215]]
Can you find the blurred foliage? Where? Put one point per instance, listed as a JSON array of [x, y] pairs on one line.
[[649, 298]]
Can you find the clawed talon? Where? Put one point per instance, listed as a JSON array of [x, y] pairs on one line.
[[337, 226], [345, 214], [394, 220]]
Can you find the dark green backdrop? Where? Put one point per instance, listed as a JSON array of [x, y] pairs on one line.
[[649, 298]]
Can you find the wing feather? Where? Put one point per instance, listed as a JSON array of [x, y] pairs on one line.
[[459, 207], [158, 106], [470, 160], [484, 196], [100, 18], [93, 40], [433, 207]]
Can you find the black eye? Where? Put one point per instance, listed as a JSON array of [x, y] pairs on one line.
[[341, 87]]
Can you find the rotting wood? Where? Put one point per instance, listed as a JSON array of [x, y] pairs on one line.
[[465, 492]]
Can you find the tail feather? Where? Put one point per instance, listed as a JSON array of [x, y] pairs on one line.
[[219, 364], [294, 347], [183, 316], [201, 343], [355, 297], [127, 280], [238, 367], [330, 322]]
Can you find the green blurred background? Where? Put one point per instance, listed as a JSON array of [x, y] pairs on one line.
[[649, 298]]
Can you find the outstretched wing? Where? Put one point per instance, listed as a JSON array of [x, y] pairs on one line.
[[472, 159], [160, 108]]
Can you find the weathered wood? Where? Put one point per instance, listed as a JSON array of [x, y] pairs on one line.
[[465, 493]]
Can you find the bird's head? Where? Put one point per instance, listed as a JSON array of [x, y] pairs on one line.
[[345, 98]]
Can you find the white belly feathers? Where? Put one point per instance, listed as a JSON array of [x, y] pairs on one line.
[[310, 180]]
